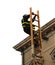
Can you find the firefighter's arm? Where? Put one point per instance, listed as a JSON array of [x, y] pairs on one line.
[[34, 14], [33, 18]]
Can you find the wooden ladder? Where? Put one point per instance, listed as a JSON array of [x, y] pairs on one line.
[[35, 56]]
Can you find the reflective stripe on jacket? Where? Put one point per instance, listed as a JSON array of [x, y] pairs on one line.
[[25, 23]]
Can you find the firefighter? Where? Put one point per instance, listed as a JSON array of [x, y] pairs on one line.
[[26, 23]]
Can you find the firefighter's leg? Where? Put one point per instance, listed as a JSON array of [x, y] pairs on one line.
[[27, 30]]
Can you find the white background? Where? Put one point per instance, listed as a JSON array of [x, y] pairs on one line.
[[11, 32]]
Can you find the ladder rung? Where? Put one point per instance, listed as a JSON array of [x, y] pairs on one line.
[[38, 50], [36, 20], [39, 63], [38, 56], [36, 37], [35, 25]]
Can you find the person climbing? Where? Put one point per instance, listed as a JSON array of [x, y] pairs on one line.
[[26, 23]]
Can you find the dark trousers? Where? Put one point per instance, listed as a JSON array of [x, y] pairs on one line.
[[27, 30]]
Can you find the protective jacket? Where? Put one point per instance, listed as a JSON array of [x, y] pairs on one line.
[[26, 24]]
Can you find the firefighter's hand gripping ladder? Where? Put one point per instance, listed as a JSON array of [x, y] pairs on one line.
[[34, 61]]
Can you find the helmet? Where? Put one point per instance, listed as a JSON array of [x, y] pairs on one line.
[[24, 15]]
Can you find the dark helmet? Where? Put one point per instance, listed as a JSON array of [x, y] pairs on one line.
[[24, 15]]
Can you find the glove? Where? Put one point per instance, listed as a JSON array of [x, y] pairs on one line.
[[33, 13]]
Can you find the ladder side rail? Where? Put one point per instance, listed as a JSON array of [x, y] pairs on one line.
[[32, 39], [39, 29], [40, 37], [31, 30]]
